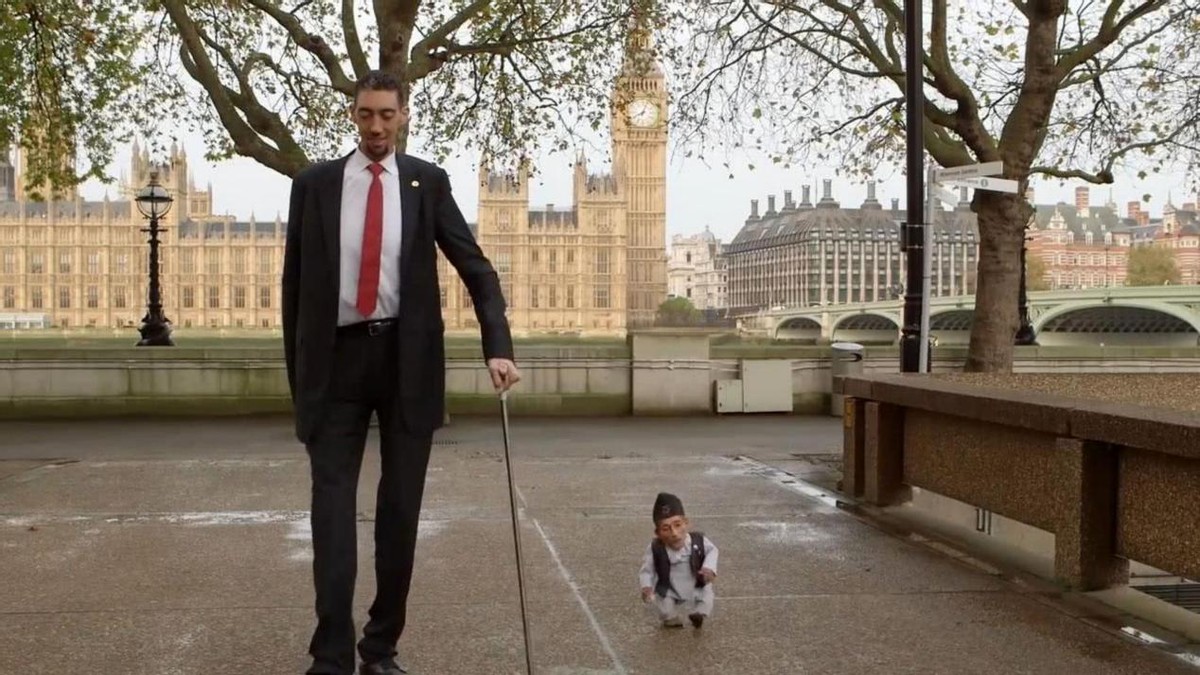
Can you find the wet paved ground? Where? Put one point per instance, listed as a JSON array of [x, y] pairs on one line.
[[183, 547]]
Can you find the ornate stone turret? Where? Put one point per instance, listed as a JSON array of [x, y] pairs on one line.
[[505, 185], [589, 185], [640, 57], [23, 190]]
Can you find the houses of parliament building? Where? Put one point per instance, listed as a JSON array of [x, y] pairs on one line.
[[84, 263], [597, 267]]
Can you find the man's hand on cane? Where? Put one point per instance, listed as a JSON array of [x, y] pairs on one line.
[[504, 374]]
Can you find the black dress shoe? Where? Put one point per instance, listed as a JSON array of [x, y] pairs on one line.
[[384, 667]]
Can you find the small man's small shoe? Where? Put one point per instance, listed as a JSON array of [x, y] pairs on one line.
[[384, 667], [672, 623], [696, 619]]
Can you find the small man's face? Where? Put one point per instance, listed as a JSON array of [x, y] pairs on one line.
[[672, 531]]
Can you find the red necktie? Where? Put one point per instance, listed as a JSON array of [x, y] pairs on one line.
[[372, 244]]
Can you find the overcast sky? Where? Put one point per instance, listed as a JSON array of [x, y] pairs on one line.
[[698, 196]]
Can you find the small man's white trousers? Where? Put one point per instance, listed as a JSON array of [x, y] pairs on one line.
[[700, 601]]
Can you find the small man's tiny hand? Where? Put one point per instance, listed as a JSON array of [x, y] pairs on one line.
[[647, 593], [707, 574], [504, 373]]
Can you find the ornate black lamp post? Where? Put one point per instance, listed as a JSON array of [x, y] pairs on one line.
[[153, 202], [1025, 335], [913, 231]]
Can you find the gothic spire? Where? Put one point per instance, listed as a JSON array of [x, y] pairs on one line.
[[640, 57]]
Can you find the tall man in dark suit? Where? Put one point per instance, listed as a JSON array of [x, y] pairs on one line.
[[363, 332]]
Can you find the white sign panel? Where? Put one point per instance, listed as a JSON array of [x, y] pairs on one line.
[[992, 184], [969, 171]]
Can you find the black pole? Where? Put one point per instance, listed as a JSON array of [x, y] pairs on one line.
[[914, 227], [156, 329], [1025, 335]]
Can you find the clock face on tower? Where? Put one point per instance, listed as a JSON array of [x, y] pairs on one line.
[[643, 113]]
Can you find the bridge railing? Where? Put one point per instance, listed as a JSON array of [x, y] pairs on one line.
[[1113, 478]]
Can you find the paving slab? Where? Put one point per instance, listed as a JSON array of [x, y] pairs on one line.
[[200, 561]]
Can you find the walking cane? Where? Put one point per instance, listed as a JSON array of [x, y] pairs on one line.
[[512, 501]]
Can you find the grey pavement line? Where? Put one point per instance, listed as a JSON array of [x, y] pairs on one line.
[[268, 517], [269, 461], [880, 594], [610, 459], [174, 518], [205, 518], [279, 461], [30, 474], [788, 481], [697, 515], [533, 603], [574, 586]]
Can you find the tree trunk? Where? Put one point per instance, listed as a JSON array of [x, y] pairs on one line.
[[395, 22], [1002, 219], [1003, 216]]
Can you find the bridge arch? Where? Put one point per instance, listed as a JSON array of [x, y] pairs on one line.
[[1118, 322], [802, 328], [951, 326], [952, 320], [867, 328]]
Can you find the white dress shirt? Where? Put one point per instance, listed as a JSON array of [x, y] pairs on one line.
[[356, 181]]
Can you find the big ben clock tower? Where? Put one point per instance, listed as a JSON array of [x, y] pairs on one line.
[[639, 133]]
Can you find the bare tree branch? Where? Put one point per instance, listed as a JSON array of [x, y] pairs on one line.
[[966, 118], [1105, 173], [439, 36], [358, 59], [1110, 29], [310, 42], [195, 59]]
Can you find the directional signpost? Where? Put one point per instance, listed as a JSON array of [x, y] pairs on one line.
[[993, 184], [976, 176], [956, 173]]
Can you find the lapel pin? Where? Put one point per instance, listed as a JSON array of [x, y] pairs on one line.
[[416, 183]]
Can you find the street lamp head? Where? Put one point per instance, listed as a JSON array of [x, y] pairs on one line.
[[154, 201]]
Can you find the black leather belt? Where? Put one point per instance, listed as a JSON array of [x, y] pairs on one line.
[[369, 328]]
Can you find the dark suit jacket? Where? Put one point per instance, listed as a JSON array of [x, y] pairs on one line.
[[311, 269]]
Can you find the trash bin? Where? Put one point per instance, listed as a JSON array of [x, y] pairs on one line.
[[847, 359]]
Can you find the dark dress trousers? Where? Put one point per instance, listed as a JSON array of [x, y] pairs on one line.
[[339, 376]]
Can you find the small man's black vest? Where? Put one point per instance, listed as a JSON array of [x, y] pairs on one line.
[[662, 565]]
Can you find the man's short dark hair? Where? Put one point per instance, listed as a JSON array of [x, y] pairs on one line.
[[379, 80]]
